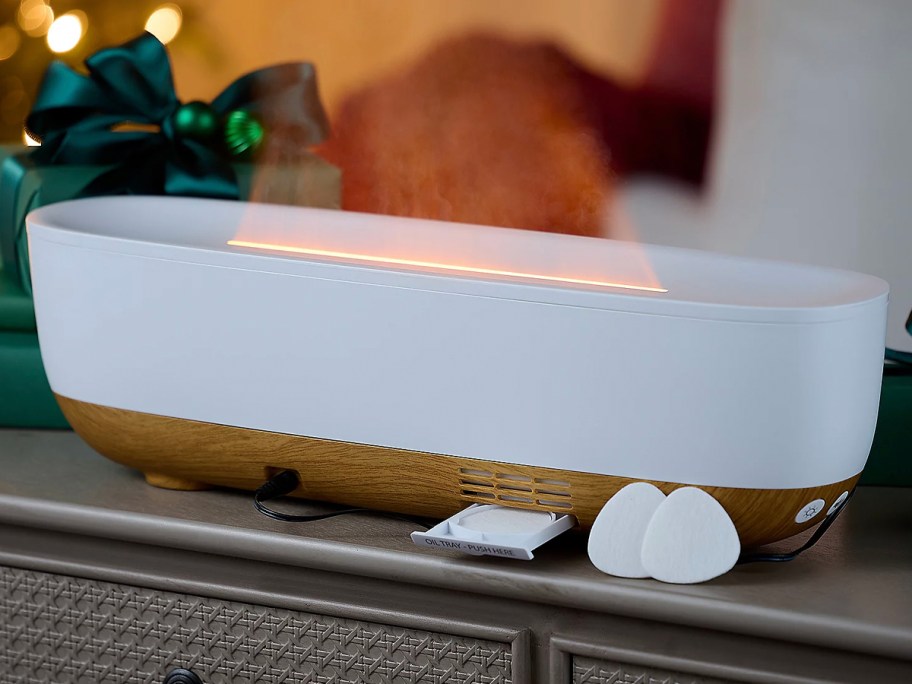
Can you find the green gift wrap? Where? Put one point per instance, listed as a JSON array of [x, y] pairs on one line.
[[25, 397], [26, 400], [25, 185], [16, 311]]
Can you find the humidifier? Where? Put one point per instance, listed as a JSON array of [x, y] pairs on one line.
[[424, 367]]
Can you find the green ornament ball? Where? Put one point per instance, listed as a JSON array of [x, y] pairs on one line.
[[196, 120], [243, 133]]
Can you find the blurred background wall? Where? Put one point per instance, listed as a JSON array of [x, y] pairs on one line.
[[352, 42]]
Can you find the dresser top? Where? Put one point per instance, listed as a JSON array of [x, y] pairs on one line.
[[853, 590]]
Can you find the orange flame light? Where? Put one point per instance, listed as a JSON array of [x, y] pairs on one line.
[[393, 261]]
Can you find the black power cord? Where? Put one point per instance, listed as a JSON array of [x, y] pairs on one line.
[[285, 482], [760, 557]]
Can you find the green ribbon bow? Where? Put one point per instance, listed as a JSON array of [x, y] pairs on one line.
[[125, 113]]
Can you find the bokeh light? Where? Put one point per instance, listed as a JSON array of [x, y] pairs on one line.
[[165, 22], [29, 140], [9, 41], [35, 17], [66, 31]]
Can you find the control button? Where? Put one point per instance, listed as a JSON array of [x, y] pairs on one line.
[[838, 503], [810, 511]]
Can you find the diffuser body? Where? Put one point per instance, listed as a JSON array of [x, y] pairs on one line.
[[420, 366]]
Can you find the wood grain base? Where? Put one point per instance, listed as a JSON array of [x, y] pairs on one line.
[[186, 454]]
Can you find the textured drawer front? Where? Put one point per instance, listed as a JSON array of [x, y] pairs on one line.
[[592, 671], [64, 630]]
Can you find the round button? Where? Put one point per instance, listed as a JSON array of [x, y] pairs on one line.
[[838, 503], [810, 511]]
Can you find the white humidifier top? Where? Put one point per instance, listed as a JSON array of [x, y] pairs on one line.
[[482, 260]]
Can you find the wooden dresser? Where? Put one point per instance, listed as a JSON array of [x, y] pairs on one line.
[[105, 579]]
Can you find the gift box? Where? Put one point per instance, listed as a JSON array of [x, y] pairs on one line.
[[25, 397], [119, 128], [26, 400]]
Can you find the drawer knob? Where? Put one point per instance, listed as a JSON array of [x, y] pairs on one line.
[[182, 676]]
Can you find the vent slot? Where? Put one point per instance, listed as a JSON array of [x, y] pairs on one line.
[[480, 495], [467, 481], [551, 492], [475, 473], [542, 493], [554, 504], [514, 488], [513, 476], [520, 499]]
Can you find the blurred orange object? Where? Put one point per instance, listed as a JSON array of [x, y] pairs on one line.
[[490, 130], [482, 130]]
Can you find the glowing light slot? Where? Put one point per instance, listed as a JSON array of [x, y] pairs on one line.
[[370, 258]]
